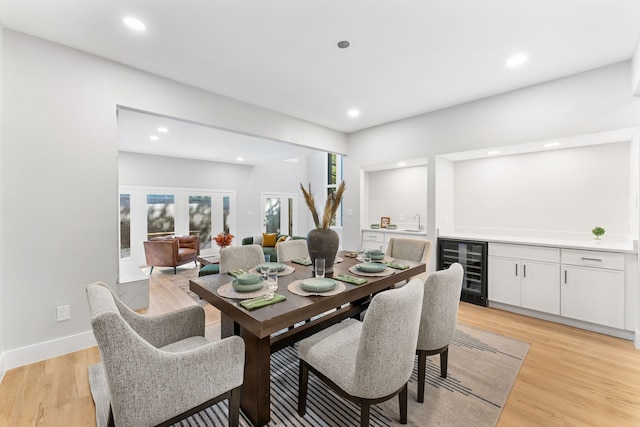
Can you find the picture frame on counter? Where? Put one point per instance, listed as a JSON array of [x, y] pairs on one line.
[[384, 221]]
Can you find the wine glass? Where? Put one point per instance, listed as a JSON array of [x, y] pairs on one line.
[[272, 281], [264, 267]]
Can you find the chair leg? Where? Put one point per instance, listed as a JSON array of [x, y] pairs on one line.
[[175, 270], [110, 421], [422, 368], [151, 271], [402, 400], [364, 414], [303, 378], [444, 360], [234, 408]]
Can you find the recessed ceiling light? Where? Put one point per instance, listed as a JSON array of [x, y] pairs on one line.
[[401, 164], [163, 129], [516, 60], [240, 159], [154, 138], [551, 144], [134, 24], [493, 152], [353, 113]]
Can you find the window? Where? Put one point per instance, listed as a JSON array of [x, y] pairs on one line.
[[200, 219], [334, 177], [160, 215], [125, 225]]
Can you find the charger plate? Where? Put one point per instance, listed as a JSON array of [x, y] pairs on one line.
[[386, 272], [294, 288], [227, 291]]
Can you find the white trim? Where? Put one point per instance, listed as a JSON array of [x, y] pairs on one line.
[[46, 350], [2, 367], [636, 340]]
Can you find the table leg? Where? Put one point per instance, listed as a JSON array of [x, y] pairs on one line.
[[255, 399]]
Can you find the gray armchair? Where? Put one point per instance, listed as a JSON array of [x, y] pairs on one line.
[[416, 250], [438, 320], [292, 249], [245, 257], [162, 369], [367, 362]]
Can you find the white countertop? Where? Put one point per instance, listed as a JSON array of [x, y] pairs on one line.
[[398, 231], [604, 245]]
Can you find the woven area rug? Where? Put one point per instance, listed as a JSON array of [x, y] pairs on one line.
[[482, 369]]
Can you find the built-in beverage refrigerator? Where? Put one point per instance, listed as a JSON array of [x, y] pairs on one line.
[[472, 255]]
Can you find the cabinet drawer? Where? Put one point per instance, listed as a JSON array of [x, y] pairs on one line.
[[373, 236], [536, 253], [608, 260]]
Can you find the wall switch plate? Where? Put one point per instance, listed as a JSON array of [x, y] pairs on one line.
[[63, 313]]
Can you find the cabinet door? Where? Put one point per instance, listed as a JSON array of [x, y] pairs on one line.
[[504, 280], [541, 286], [593, 295]]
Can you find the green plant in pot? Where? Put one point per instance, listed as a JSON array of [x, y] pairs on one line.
[[322, 241], [597, 232]]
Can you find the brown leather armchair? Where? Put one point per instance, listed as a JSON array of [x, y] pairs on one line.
[[171, 251]]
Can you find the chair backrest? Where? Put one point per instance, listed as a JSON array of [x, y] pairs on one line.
[[245, 257], [416, 250], [387, 346], [292, 249], [440, 307]]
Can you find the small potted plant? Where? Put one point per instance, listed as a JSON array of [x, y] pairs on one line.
[[597, 232]]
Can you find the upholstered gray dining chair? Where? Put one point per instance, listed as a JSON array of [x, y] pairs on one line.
[[438, 320], [292, 249], [245, 257], [161, 369], [416, 250], [371, 361]]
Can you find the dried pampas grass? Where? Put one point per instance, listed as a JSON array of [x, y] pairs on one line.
[[330, 207]]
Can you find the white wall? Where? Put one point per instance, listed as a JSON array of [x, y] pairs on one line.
[[551, 193], [444, 197], [399, 194], [635, 80], [2, 367], [60, 156]]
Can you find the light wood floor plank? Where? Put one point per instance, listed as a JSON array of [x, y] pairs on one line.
[[570, 377]]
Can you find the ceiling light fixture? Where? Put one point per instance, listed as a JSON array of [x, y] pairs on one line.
[[551, 144], [240, 159], [163, 129], [343, 44], [154, 138], [493, 152], [517, 60], [134, 24], [353, 113], [402, 164]]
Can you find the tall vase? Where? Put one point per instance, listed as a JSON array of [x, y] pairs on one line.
[[323, 243]]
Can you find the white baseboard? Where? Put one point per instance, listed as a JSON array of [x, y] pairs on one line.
[[45, 350], [2, 368], [636, 340]]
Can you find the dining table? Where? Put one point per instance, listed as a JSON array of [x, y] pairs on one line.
[[267, 329]]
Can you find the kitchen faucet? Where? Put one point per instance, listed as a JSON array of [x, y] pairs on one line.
[[418, 216]]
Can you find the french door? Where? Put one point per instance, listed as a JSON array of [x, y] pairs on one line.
[[278, 213]]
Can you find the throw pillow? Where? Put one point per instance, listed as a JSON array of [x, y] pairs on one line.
[[269, 240], [282, 239], [257, 239]]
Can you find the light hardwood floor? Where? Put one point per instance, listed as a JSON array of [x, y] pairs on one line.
[[570, 377]]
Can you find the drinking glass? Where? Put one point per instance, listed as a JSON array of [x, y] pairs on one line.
[[320, 267], [272, 281], [264, 267], [367, 255]]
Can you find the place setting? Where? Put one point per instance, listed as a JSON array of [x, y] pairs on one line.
[[318, 285]]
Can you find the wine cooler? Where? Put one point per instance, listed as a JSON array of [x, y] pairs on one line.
[[472, 256]]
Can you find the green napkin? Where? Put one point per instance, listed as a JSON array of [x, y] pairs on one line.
[[252, 304], [351, 279], [238, 272], [397, 266], [302, 261]]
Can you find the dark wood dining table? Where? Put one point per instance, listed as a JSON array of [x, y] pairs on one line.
[[273, 327]]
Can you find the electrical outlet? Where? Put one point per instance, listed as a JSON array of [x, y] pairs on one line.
[[63, 313]]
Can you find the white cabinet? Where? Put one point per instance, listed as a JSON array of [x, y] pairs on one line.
[[380, 239], [593, 287], [525, 276]]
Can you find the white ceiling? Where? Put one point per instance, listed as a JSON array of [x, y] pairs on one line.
[[407, 57], [195, 141]]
